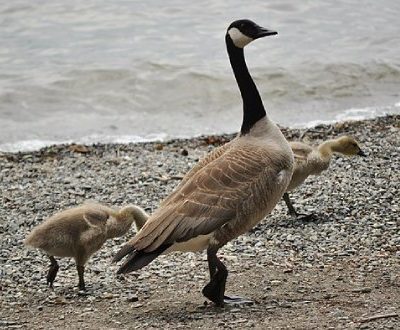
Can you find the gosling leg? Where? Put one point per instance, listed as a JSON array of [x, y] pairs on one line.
[[52, 273], [292, 210], [81, 270]]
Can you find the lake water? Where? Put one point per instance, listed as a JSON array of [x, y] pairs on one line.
[[119, 71]]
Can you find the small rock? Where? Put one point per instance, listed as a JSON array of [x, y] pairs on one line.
[[158, 146], [362, 290], [132, 298]]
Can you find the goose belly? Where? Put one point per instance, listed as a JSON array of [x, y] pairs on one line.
[[195, 244]]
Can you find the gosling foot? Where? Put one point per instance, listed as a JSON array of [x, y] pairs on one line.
[[83, 293], [305, 217]]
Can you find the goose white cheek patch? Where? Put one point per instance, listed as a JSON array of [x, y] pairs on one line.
[[238, 38]]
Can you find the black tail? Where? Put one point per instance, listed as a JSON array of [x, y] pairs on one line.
[[137, 259], [126, 249]]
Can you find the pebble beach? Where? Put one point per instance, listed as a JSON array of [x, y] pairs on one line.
[[339, 270]]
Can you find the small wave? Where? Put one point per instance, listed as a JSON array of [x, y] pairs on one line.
[[305, 81], [123, 139], [353, 114]]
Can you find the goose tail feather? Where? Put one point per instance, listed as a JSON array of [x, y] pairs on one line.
[[136, 259]]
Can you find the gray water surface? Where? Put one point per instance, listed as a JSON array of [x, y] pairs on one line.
[[94, 71]]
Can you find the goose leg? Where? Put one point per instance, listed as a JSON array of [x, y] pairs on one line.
[[51, 275], [215, 289], [81, 270]]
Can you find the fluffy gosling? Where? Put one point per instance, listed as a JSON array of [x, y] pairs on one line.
[[81, 231], [313, 160]]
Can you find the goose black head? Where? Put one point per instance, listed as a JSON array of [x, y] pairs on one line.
[[244, 31]]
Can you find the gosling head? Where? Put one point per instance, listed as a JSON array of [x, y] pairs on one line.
[[348, 146], [244, 31]]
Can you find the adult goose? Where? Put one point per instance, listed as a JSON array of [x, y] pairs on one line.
[[310, 160], [226, 193]]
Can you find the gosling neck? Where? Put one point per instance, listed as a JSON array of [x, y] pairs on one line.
[[253, 108], [327, 148], [117, 227], [140, 217]]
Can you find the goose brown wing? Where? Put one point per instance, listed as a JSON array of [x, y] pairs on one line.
[[210, 157], [210, 198]]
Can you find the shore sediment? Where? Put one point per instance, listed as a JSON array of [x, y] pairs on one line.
[[340, 270]]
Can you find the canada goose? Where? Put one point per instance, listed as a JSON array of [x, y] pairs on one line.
[[81, 231], [313, 160], [226, 193]]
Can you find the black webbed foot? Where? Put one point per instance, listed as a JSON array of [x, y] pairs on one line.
[[236, 300], [215, 289]]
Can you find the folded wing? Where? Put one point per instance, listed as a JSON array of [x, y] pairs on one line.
[[210, 198]]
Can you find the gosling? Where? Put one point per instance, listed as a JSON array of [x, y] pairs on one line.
[[313, 160], [81, 231]]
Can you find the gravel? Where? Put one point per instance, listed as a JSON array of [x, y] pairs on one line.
[[339, 270]]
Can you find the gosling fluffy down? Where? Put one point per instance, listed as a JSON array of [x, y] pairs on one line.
[[81, 231], [309, 160]]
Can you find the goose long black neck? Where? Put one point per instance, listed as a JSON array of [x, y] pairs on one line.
[[253, 108]]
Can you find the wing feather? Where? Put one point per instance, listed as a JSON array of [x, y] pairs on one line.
[[213, 155]]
